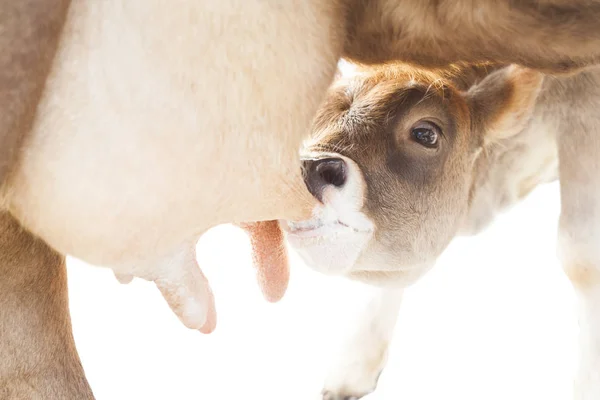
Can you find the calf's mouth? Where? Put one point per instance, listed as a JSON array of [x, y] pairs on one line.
[[332, 240]]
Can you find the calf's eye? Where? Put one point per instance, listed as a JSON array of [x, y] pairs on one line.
[[426, 134]]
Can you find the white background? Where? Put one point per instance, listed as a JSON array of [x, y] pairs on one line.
[[494, 320]]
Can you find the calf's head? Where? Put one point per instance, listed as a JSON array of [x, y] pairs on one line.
[[391, 162]]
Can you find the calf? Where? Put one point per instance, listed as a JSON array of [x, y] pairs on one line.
[[403, 160]]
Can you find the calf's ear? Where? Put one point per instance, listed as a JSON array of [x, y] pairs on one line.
[[503, 102]]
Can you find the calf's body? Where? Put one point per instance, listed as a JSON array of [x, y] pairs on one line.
[[551, 134]]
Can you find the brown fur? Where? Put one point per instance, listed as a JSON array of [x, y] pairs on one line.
[[36, 347], [36, 344], [551, 35], [30, 34]]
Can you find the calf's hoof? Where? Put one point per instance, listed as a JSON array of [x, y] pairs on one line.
[[329, 395], [351, 389]]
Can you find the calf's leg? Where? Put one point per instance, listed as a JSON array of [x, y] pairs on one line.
[[38, 358], [579, 240], [364, 354]]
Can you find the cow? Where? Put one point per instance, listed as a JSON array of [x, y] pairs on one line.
[[130, 128]]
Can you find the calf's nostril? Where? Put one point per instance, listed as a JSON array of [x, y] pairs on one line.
[[319, 174], [332, 171]]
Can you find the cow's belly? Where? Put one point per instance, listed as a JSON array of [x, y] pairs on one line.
[[111, 188], [136, 151]]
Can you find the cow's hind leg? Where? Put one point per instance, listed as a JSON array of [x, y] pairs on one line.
[[30, 34], [38, 358], [579, 235]]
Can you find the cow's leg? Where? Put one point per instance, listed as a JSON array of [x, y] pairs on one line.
[[363, 357], [38, 358], [30, 34], [579, 239]]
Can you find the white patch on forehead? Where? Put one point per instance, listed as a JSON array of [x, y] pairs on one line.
[[346, 68]]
